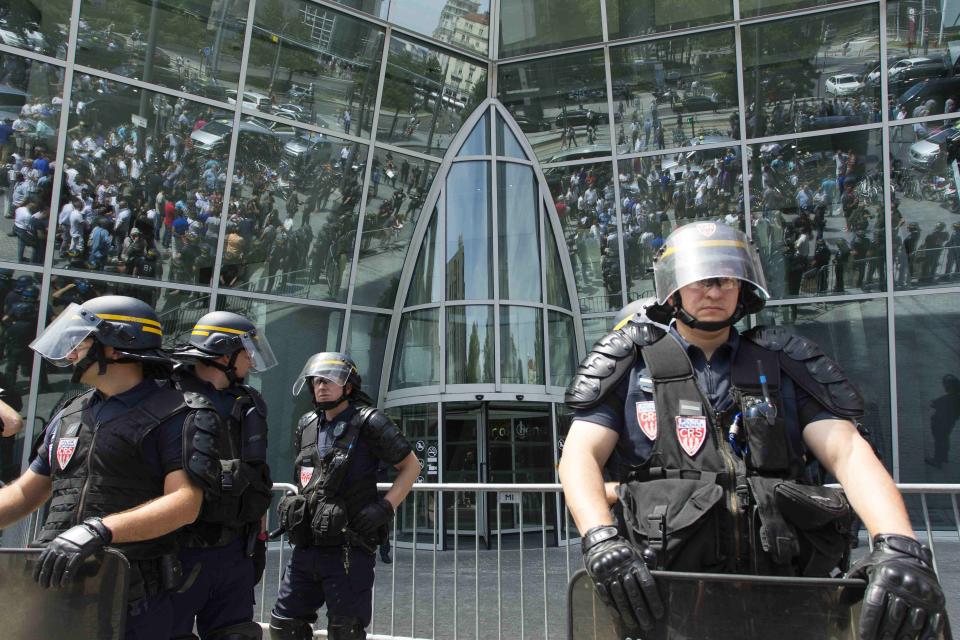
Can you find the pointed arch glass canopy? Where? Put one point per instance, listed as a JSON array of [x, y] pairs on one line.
[[485, 287]]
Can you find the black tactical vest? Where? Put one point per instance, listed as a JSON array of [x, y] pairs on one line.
[[98, 469]]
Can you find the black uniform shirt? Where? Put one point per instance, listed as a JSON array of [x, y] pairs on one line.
[[162, 447], [363, 461]]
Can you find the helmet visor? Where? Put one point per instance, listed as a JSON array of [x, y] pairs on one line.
[[327, 366], [258, 348], [65, 334]]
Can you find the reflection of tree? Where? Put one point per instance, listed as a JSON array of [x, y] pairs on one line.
[[473, 355], [397, 87]]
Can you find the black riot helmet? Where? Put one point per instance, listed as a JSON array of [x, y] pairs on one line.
[[705, 251], [128, 325], [335, 367], [224, 333]]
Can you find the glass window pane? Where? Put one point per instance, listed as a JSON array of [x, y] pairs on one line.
[[854, 334], [563, 349], [37, 25], [463, 23], [470, 354], [30, 102], [426, 279], [518, 220], [507, 144], [751, 8], [469, 246], [540, 25], [628, 18], [557, 293], [584, 198], [521, 345], [807, 73], [313, 64], [293, 223], [667, 96], [378, 8], [594, 329], [928, 392], [477, 143], [560, 104], [147, 173], [825, 188], [316, 329], [197, 49], [417, 359], [427, 94], [395, 198], [926, 231], [920, 40], [366, 344]]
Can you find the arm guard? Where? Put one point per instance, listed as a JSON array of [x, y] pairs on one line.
[[201, 457], [384, 438], [251, 412], [610, 359], [811, 369]]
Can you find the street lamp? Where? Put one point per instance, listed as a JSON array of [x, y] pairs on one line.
[[276, 59]]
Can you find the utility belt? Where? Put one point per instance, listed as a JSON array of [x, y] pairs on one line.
[[322, 520], [153, 576], [765, 526]]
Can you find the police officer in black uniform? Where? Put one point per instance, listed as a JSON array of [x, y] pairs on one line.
[[111, 458], [712, 430], [225, 452], [337, 520]]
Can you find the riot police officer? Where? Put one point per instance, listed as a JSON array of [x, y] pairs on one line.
[[111, 458], [225, 452], [702, 415], [336, 521]]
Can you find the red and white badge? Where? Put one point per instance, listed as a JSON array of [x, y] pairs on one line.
[[65, 450], [691, 433], [306, 474], [647, 418]]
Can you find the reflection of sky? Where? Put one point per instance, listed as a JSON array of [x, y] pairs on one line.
[[423, 16]]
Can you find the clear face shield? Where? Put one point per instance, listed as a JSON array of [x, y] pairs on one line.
[[258, 348], [65, 334], [324, 365]]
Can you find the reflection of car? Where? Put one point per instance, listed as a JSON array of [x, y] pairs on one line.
[[692, 103], [529, 124], [292, 111], [843, 84], [252, 131], [936, 89], [911, 69], [580, 117], [924, 154], [251, 99], [587, 151], [206, 89], [300, 153], [813, 123]]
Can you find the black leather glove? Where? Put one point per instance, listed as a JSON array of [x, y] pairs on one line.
[[903, 598], [63, 556], [372, 517], [259, 559], [621, 577]]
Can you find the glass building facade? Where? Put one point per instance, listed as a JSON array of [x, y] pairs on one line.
[[463, 193]]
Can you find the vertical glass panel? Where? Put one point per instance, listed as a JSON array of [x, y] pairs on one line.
[[470, 353], [854, 334], [818, 220], [398, 187], [928, 391], [198, 49], [919, 49], [477, 143], [518, 220], [628, 18], [366, 343], [416, 362], [427, 94], [751, 8], [419, 424], [540, 25], [668, 96], [563, 348], [37, 25], [469, 246], [507, 144], [521, 345], [807, 73], [926, 231], [594, 329], [316, 329], [557, 294], [464, 23], [585, 202], [146, 173], [425, 282], [313, 64], [560, 104], [294, 219], [30, 105]]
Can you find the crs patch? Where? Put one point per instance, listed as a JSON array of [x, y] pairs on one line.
[[706, 228], [647, 418], [306, 474], [691, 433], [66, 447]]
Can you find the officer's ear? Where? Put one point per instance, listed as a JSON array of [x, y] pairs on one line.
[[348, 389]]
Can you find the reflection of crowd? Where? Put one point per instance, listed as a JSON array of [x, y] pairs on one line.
[[793, 116]]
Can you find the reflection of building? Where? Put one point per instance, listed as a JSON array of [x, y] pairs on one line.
[[470, 31], [453, 10]]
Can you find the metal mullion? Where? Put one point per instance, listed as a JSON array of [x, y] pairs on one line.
[[495, 267], [906, 293], [869, 126], [672, 150], [157, 88], [374, 310], [408, 152], [261, 296], [850, 297], [611, 120], [446, 47], [542, 245], [231, 159], [736, 11], [742, 115], [604, 30], [115, 278], [773, 17], [33, 55], [327, 132], [493, 45]]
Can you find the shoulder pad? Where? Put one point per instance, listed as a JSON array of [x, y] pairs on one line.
[[196, 400], [383, 436], [641, 331], [257, 400], [772, 338], [306, 419], [373, 417], [610, 359]]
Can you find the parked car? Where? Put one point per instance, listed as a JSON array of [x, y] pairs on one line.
[[292, 111], [580, 117], [693, 103], [936, 89], [843, 84], [251, 99], [928, 154], [909, 70], [529, 124]]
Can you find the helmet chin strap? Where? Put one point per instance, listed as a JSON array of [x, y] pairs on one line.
[[95, 356], [686, 318], [229, 369]]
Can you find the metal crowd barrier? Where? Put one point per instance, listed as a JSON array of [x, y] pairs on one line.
[[475, 584]]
